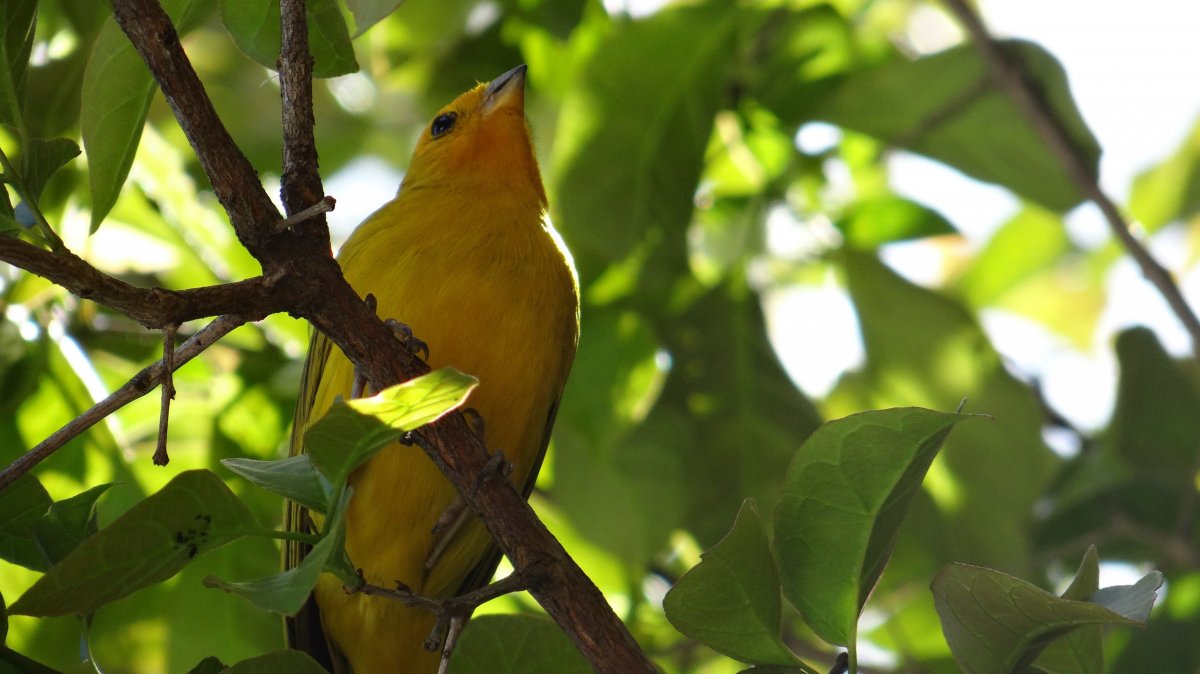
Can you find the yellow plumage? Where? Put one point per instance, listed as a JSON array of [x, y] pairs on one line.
[[463, 256]]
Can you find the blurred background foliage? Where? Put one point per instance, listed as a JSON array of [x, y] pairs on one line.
[[669, 148]]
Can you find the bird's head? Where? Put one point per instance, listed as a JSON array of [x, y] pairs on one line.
[[479, 141]]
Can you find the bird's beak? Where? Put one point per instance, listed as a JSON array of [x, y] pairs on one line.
[[506, 91]]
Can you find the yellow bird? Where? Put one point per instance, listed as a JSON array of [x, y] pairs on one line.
[[465, 257]]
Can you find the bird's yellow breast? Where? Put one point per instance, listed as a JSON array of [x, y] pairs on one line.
[[482, 281]]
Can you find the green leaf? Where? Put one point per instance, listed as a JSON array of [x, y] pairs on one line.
[[996, 624], [67, 523], [194, 513], [18, 17], [871, 223], [926, 349], [961, 119], [367, 13], [40, 159], [844, 497], [209, 665], [254, 25], [351, 432], [516, 643], [646, 100], [290, 661], [294, 478], [22, 504], [117, 89], [1031, 241], [286, 592], [1155, 428], [1081, 651], [730, 601], [1171, 190]]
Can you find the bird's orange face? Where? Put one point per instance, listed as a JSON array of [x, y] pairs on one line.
[[482, 138]]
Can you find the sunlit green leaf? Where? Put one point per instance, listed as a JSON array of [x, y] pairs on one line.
[[117, 89], [996, 623], [1031, 241], [1171, 190], [872, 223], [367, 13], [516, 643], [194, 513], [351, 432], [254, 25], [731, 600], [844, 498]]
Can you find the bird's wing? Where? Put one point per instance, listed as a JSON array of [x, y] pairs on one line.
[[304, 630]]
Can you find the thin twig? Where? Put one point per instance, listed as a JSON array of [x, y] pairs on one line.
[[452, 613], [168, 393], [322, 207], [141, 384], [457, 623], [1014, 82]]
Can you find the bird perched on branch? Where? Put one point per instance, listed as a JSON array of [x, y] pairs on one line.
[[465, 257]]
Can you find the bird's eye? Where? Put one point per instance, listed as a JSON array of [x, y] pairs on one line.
[[442, 123]]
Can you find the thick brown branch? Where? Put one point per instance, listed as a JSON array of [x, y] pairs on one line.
[[1014, 82], [233, 178], [151, 307], [300, 184], [141, 384]]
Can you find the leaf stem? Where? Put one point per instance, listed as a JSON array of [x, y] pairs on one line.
[[46, 232]]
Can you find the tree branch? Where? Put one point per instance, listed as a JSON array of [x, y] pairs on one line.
[[141, 384], [154, 307], [300, 184], [1013, 81]]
